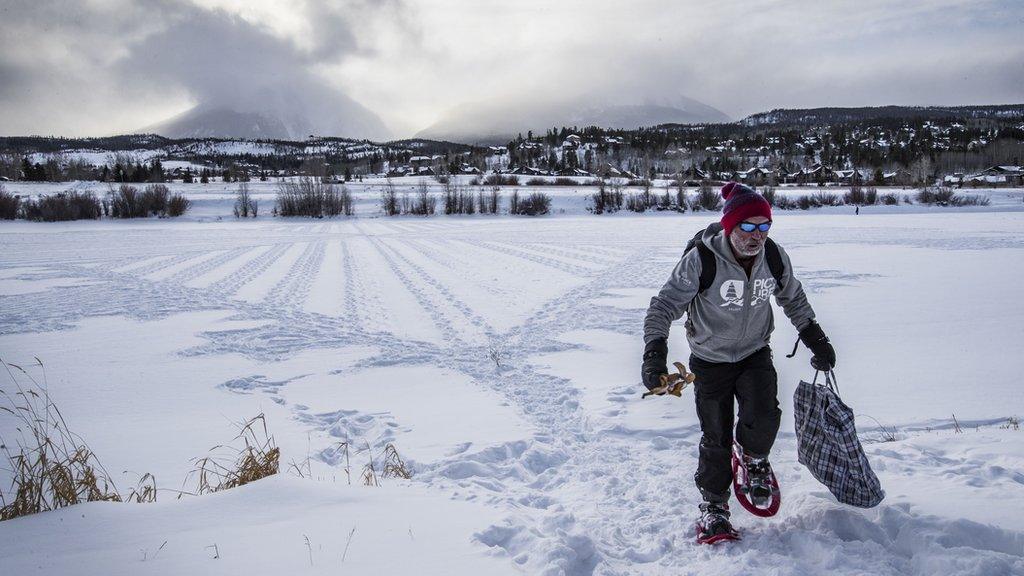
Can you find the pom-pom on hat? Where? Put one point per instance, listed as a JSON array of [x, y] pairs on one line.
[[742, 202]]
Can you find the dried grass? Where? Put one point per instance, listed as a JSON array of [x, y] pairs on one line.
[[50, 466], [394, 466], [258, 458], [144, 491]]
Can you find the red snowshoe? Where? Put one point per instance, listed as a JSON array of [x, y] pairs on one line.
[[713, 526], [754, 484]]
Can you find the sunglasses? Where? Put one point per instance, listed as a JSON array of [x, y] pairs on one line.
[[750, 226]]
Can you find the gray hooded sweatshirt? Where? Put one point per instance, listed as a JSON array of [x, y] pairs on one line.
[[732, 319]]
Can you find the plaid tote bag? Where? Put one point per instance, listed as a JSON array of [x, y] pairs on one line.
[[827, 444]]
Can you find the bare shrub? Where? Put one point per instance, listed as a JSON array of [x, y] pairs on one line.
[[769, 195], [706, 198], [934, 195], [312, 197], [871, 196], [944, 196], [177, 205], [245, 204], [126, 202], [536, 204], [501, 180], [855, 196], [231, 466], [424, 204], [489, 202], [970, 200], [565, 181], [639, 202], [493, 201], [641, 182], [8, 204], [50, 466], [389, 199], [783, 202], [62, 206], [890, 199], [825, 199], [605, 200], [458, 200], [154, 199], [537, 182]]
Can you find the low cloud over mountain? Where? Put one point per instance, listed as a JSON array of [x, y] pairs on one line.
[[498, 122]]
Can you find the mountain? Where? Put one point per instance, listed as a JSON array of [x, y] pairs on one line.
[[278, 121], [496, 123], [827, 116]]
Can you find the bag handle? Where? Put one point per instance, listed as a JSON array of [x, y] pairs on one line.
[[830, 380]]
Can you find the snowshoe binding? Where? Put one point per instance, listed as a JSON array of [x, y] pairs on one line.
[[754, 484], [713, 526]]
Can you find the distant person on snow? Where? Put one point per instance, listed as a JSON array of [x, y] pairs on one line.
[[723, 285]]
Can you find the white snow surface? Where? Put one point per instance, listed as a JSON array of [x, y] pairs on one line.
[[500, 355]]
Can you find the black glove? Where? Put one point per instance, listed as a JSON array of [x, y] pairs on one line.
[[655, 354], [824, 354]]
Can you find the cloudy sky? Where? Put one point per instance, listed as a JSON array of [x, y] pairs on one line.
[[99, 67]]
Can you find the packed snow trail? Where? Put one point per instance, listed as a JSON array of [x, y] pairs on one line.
[[551, 325]]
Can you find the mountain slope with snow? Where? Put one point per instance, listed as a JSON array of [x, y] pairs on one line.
[[496, 123], [346, 119]]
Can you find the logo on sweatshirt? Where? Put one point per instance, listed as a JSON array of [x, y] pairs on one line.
[[732, 293], [763, 289]]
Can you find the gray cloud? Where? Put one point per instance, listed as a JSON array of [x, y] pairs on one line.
[[113, 65], [189, 55]]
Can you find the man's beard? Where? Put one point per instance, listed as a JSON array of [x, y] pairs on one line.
[[746, 247]]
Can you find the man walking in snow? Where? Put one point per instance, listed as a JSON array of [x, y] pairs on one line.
[[723, 285]]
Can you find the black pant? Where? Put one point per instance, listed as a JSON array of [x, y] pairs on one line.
[[754, 382]]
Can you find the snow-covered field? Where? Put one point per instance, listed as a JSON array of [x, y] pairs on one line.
[[158, 335]]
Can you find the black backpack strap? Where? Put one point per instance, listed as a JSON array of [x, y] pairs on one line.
[[708, 266], [774, 258]]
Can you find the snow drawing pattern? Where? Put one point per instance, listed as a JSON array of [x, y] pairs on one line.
[[590, 492]]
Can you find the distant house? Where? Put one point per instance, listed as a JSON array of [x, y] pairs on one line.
[[898, 177], [417, 162], [1012, 175], [529, 171], [695, 173], [815, 173], [755, 176], [573, 172], [854, 176], [572, 142]]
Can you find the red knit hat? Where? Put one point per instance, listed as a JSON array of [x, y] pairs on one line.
[[742, 202]]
